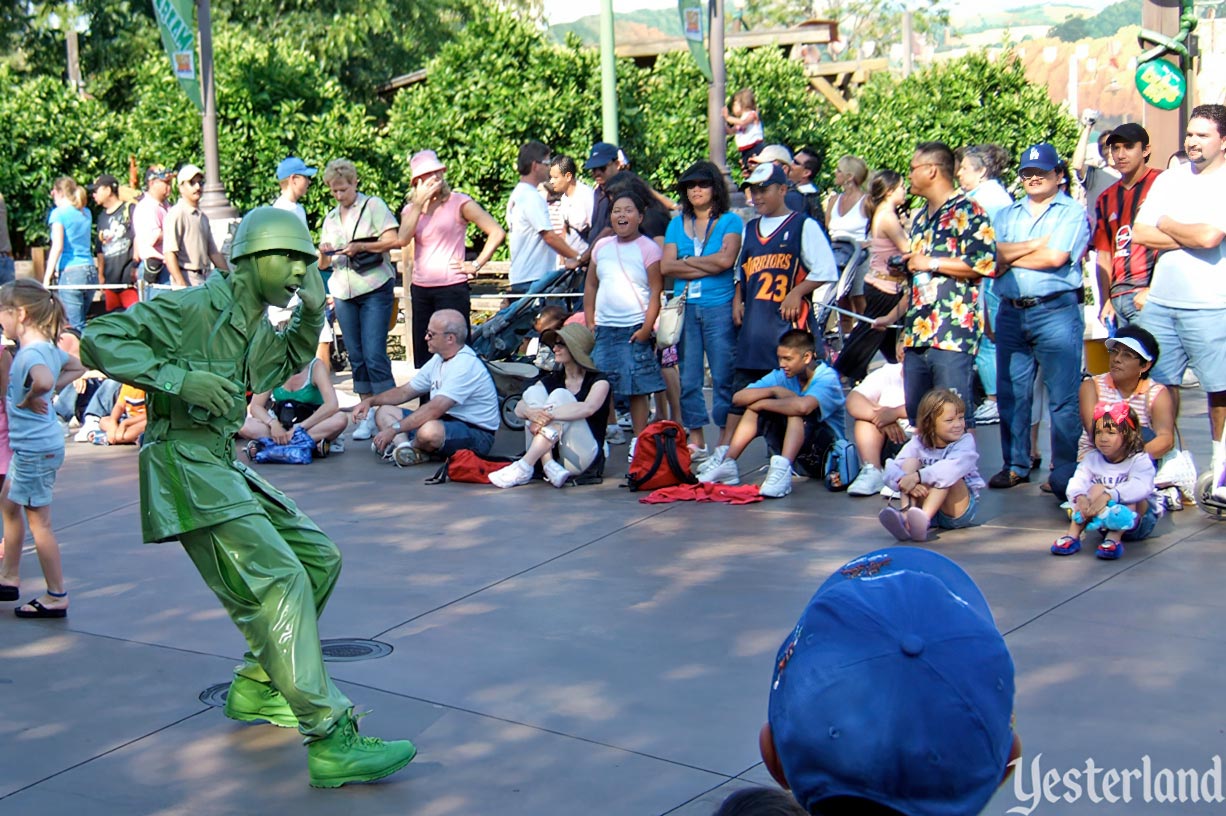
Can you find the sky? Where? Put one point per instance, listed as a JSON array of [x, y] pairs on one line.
[[565, 11]]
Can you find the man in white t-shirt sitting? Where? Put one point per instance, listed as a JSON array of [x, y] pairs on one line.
[[1184, 217], [462, 411], [534, 244], [879, 407]]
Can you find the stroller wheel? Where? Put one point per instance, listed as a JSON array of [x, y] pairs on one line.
[[1205, 499], [509, 417]]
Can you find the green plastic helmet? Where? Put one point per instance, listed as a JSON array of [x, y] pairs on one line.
[[266, 228]]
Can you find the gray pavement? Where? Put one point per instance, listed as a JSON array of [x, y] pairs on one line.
[[573, 652]]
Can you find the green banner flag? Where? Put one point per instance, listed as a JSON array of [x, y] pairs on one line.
[[692, 14], [178, 24]]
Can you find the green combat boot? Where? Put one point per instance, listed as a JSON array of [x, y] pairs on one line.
[[252, 701], [345, 756]]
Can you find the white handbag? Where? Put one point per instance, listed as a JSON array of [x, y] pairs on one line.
[[671, 320]]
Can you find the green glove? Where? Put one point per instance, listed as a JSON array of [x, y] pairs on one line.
[[214, 393], [312, 293]]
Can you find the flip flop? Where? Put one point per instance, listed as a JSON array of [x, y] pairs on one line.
[[895, 522], [9, 593], [917, 523], [40, 611]]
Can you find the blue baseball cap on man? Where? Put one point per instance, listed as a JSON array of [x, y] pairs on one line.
[[602, 154], [294, 166], [1042, 156], [895, 687]]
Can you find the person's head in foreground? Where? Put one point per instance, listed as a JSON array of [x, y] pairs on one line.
[[893, 694]]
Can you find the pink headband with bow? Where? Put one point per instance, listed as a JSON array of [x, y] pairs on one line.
[[1118, 411]]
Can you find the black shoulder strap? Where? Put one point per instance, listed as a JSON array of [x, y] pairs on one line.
[[635, 482], [440, 475], [669, 445]]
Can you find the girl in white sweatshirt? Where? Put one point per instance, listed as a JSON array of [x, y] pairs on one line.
[[1117, 472], [937, 471]]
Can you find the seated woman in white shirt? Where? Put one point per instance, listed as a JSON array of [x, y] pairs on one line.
[[878, 407], [565, 413]]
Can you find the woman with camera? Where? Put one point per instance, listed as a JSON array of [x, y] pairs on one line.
[[885, 285], [354, 243]]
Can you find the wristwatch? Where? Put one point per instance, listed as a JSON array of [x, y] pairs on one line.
[[934, 265], [476, 266]]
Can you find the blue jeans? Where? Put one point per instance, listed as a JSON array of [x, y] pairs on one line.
[[1126, 311], [985, 358], [76, 301], [1049, 334], [924, 369], [8, 270], [364, 321], [708, 331]]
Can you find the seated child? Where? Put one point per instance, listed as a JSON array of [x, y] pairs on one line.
[[878, 408], [1117, 472], [550, 318], [937, 472], [126, 422], [797, 408]]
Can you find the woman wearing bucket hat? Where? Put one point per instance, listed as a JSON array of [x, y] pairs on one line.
[[565, 413], [436, 220]]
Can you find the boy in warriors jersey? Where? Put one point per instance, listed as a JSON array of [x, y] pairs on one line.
[[784, 257]]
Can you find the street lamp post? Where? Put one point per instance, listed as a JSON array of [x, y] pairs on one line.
[[717, 91], [213, 201]]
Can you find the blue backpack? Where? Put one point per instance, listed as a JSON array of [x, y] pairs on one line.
[[843, 460]]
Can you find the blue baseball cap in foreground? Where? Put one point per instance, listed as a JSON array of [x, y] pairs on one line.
[[896, 687]]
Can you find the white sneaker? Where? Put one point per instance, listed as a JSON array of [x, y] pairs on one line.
[[614, 435], [555, 474], [366, 428], [726, 472], [699, 455], [778, 481], [89, 426], [634, 443], [515, 474], [988, 413], [338, 445], [868, 483], [624, 421], [890, 493]]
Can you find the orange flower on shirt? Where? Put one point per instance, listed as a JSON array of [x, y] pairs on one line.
[[986, 265], [985, 232]]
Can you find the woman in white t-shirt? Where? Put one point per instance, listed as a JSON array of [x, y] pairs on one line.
[[621, 301], [879, 413]]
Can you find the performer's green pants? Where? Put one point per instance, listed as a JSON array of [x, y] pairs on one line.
[[273, 573]]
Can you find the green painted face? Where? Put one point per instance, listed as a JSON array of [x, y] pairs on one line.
[[279, 275]]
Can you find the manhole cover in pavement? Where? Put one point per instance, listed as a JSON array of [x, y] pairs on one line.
[[215, 695], [346, 650]]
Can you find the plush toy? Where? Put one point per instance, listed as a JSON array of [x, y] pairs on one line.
[[1113, 517]]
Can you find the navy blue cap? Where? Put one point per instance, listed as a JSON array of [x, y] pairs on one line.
[[602, 154], [1043, 156]]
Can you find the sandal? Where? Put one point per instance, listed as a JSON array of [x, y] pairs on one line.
[[894, 521], [1110, 549], [39, 611], [1066, 545]]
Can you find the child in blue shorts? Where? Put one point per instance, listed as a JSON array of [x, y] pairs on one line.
[[32, 315], [937, 471]]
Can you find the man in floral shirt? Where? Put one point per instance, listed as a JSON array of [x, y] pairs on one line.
[[1043, 238], [952, 247]]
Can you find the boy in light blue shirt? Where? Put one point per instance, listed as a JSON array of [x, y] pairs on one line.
[[797, 408]]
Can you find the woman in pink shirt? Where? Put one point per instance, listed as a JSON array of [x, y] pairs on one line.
[[436, 220]]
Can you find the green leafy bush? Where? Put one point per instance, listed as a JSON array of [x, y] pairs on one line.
[[966, 101]]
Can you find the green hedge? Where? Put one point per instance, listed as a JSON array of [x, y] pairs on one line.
[[502, 83]]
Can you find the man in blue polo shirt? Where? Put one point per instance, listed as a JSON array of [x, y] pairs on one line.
[[1040, 241]]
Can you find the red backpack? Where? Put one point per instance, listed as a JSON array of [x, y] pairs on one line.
[[661, 458], [466, 466]]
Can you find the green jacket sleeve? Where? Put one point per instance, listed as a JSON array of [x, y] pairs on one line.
[[132, 346], [277, 356]]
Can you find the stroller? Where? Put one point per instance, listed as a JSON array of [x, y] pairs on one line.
[[849, 254], [497, 340]]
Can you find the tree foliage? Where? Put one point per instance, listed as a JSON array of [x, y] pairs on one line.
[[971, 100], [1104, 24]]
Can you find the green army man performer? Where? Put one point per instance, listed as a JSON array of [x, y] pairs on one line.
[[195, 352]]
